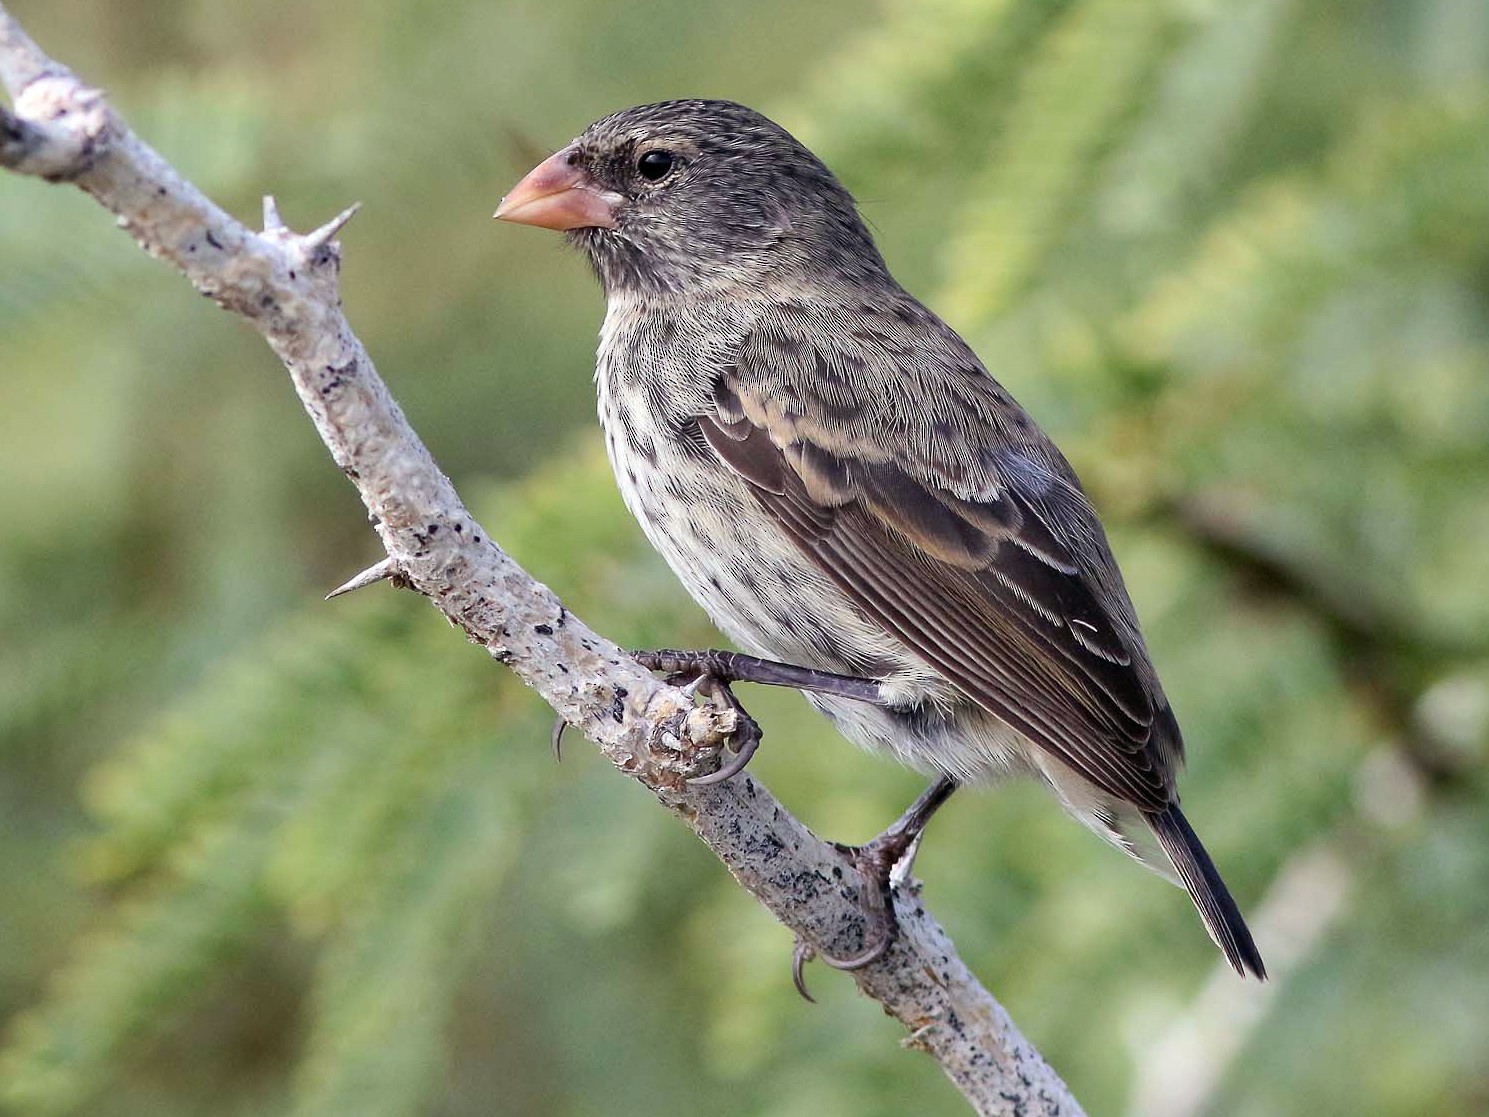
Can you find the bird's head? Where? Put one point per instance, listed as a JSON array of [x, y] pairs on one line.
[[684, 197]]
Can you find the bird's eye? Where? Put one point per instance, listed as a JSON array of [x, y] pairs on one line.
[[654, 165]]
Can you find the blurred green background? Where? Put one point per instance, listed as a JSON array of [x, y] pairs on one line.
[[263, 855]]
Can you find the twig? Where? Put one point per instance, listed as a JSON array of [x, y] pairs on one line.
[[286, 285]]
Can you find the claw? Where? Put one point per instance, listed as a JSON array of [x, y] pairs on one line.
[[705, 675], [871, 954], [747, 735], [559, 725], [887, 862], [735, 765], [691, 685], [802, 953]]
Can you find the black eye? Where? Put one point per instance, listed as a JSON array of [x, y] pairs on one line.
[[654, 165]]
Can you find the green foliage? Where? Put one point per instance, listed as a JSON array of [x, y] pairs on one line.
[[389, 976], [374, 800], [162, 943], [1074, 96], [1235, 256]]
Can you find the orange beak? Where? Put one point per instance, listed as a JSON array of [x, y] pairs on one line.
[[559, 194]]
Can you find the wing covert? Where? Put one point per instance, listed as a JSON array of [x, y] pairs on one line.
[[996, 573]]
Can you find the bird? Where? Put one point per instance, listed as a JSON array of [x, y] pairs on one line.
[[855, 501]]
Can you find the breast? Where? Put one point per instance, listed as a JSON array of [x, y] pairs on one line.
[[655, 376]]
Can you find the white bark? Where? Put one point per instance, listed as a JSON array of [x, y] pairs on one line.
[[285, 284]]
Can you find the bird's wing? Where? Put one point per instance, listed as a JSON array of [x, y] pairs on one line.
[[899, 466]]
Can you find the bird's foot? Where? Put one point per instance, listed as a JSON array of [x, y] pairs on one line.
[[709, 674], [742, 742], [885, 863]]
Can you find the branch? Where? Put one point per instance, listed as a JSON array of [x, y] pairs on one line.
[[285, 285]]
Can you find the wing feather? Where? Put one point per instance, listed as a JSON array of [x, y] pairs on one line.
[[998, 576]]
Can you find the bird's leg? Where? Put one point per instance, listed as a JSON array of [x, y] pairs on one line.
[[886, 862], [709, 674], [746, 735], [736, 667], [888, 859]]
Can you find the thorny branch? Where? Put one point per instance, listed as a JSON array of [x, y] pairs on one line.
[[285, 285]]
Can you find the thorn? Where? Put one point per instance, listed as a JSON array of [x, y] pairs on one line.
[[273, 223], [327, 232], [383, 570]]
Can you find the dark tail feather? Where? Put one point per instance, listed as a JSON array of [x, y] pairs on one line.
[[1222, 918]]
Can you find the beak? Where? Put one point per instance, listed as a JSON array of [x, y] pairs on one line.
[[559, 194]]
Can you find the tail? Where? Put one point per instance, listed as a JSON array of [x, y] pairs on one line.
[[1222, 918]]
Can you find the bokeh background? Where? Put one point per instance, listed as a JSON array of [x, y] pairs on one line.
[[260, 854]]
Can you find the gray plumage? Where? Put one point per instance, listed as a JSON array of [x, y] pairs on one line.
[[841, 484]]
